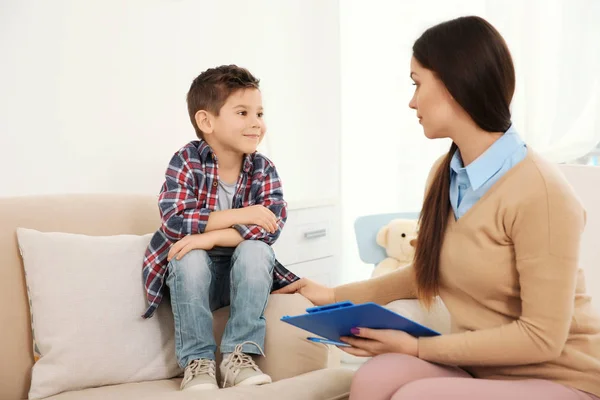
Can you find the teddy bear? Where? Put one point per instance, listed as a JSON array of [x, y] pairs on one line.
[[398, 238]]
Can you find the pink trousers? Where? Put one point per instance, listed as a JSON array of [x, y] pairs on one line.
[[402, 377]]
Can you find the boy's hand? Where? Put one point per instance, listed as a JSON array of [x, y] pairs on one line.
[[259, 215], [201, 241]]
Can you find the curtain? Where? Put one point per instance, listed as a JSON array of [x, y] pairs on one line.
[[555, 47], [384, 156]]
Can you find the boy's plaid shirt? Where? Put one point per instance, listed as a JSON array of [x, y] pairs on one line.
[[189, 195]]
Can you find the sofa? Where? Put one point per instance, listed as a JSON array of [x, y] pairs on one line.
[[300, 369]]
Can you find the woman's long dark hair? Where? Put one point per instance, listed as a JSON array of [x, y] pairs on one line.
[[472, 60]]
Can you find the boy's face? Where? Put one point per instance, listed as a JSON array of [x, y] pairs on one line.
[[239, 127]]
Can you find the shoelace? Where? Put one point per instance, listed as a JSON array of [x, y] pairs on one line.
[[198, 367], [238, 360]]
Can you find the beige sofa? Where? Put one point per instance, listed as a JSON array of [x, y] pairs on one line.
[[300, 369]]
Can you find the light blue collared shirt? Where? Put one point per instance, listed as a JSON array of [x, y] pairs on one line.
[[468, 184]]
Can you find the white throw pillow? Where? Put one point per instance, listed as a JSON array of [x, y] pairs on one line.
[[87, 301]]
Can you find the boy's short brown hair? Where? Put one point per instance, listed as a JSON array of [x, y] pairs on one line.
[[210, 90]]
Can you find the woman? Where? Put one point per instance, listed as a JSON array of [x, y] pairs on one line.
[[498, 242]]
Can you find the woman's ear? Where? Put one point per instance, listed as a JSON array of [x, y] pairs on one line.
[[204, 121], [382, 236]]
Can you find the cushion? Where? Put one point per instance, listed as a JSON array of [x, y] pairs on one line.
[[325, 384], [87, 299]]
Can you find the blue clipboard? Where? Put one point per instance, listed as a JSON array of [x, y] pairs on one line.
[[334, 320]]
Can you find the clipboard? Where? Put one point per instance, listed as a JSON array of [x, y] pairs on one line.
[[334, 320]]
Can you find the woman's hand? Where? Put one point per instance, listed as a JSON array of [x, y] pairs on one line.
[[318, 294], [372, 342]]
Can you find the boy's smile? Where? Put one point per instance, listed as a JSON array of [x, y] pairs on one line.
[[240, 126]]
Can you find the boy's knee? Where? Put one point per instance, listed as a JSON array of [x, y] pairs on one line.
[[193, 265], [255, 254], [254, 249]]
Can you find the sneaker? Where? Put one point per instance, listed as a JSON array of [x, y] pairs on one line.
[[200, 375], [239, 369]]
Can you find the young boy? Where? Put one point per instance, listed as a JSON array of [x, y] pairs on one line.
[[221, 207]]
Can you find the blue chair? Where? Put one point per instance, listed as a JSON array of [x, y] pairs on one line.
[[365, 230]]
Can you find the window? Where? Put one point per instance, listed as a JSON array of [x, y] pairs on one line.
[[592, 158]]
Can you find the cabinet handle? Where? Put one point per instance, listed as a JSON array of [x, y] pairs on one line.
[[315, 234]]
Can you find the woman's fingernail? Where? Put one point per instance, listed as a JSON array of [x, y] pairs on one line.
[[355, 331]]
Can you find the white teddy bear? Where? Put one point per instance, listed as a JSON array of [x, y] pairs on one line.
[[398, 238]]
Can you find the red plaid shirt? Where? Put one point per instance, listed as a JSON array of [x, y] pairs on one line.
[[189, 195]]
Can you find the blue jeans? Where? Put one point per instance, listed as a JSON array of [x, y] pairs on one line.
[[204, 281]]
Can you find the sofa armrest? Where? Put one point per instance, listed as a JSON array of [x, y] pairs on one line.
[[436, 318], [287, 351]]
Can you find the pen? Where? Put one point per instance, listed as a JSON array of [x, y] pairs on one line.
[[327, 341]]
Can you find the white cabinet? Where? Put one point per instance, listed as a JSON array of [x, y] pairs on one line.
[[309, 243]]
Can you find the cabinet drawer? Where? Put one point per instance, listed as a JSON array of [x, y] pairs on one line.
[[306, 236], [320, 271]]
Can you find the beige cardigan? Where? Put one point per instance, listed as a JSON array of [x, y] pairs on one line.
[[509, 276]]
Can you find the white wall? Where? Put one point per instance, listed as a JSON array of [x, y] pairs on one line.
[[93, 92], [385, 157], [586, 181]]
